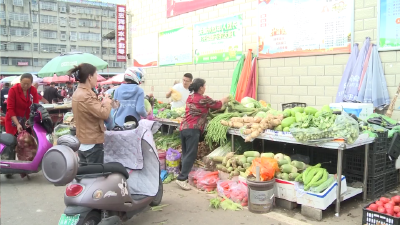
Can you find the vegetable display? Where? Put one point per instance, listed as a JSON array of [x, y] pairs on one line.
[[390, 207]]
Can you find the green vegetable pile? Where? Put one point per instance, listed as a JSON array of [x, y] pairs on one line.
[[168, 114], [315, 179], [165, 142]]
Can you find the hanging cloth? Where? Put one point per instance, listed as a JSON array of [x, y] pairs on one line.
[[244, 77], [236, 75], [251, 90], [347, 73], [351, 91]]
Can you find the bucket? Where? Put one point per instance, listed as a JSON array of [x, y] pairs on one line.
[[162, 155], [260, 194]]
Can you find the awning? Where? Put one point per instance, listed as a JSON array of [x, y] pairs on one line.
[[17, 73]]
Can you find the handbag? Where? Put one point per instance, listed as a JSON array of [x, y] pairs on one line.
[[22, 119]]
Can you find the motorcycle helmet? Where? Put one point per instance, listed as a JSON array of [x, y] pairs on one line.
[[70, 141]]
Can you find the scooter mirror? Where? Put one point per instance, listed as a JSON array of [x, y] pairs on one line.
[[60, 165]]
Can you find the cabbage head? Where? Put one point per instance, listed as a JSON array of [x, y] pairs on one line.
[[248, 100], [261, 114]]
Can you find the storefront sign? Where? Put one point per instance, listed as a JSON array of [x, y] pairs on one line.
[[23, 64], [121, 33], [145, 50], [389, 25], [178, 7], [308, 27], [175, 46], [219, 40]]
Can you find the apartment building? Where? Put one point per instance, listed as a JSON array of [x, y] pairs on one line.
[[32, 32]]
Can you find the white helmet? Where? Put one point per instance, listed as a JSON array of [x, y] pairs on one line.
[[134, 74]]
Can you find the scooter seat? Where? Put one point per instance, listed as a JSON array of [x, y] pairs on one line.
[[8, 139], [112, 167]]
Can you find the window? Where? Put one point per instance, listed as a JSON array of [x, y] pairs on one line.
[[72, 36], [63, 35], [2, 14], [72, 22], [51, 6], [73, 48], [19, 32], [21, 62], [111, 25], [18, 16], [18, 2], [112, 63], [48, 34], [104, 51], [105, 12], [35, 47], [63, 21], [112, 14], [35, 18], [104, 24], [89, 36], [1, 1], [4, 61], [89, 49], [35, 7], [35, 62], [35, 32], [48, 19], [3, 31], [15, 46], [51, 47], [112, 51], [73, 9], [63, 9], [89, 23]]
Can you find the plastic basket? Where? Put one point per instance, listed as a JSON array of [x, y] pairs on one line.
[[394, 146], [390, 164], [391, 180], [292, 105], [375, 185], [381, 142], [354, 163], [374, 218], [328, 159]]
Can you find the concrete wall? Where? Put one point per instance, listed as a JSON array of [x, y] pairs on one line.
[[313, 80]]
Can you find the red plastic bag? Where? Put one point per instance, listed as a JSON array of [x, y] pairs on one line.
[[268, 167], [236, 191], [208, 182]]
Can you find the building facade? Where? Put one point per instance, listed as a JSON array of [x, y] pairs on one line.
[[310, 79], [32, 32]]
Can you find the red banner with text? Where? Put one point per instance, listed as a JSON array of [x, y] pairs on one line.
[[121, 33], [178, 7]]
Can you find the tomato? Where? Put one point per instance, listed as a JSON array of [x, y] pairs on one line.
[[381, 209], [396, 199], [373, 207], [392, 202], [390, 212], [396, 209], [384, 200], [379, 203], [388, 206], [398, 214]]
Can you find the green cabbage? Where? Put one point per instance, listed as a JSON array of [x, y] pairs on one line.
[[261, 114], [248, 100], [249, 105]]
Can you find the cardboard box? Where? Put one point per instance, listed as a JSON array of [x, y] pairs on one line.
[[319, 200], [361, 110]]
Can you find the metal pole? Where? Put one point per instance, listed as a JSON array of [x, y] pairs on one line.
[[365, 183], [232, 143], [263, 144], [339, 180]]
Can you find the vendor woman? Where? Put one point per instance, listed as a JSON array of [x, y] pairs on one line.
[[197, 106]]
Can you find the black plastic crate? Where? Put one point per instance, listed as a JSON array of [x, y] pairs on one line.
[[394, 146], [391, 180], [390, 164], [292, 105], [375, 185], [354, 162], [327, 158], [373, 218], [381, 142]]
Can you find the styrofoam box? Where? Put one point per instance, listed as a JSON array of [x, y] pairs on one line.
[[319, 200], [361, 110], [285, 190]]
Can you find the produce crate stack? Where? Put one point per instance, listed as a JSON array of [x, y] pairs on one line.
[[328, 159], [382, 174]]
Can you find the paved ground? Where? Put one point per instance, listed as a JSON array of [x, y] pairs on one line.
[[37, 202]]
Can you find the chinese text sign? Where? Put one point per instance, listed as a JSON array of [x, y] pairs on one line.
[[121, 33]]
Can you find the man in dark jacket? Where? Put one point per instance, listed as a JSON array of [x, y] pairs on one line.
[[51, 93], [3, 92], [70, 89]]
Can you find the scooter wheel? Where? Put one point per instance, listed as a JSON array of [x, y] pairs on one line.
[[9, 176], [92, 218], [158, 198]]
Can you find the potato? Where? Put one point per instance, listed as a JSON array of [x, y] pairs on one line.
[[248, 119], [247, 131], [255, 125], [255, 134], [257, 119], [237, 125]]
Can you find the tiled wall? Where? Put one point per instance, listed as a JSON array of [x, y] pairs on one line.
[[313, 80]]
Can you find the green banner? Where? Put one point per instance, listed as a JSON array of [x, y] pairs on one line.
[[219, 40]]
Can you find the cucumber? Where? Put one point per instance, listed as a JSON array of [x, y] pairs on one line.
[[282, 162], [251, 154], [324, 185], [268, 155], [218, 159]]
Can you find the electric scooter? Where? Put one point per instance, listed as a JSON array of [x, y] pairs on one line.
[[41, 132], [99, 194]]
